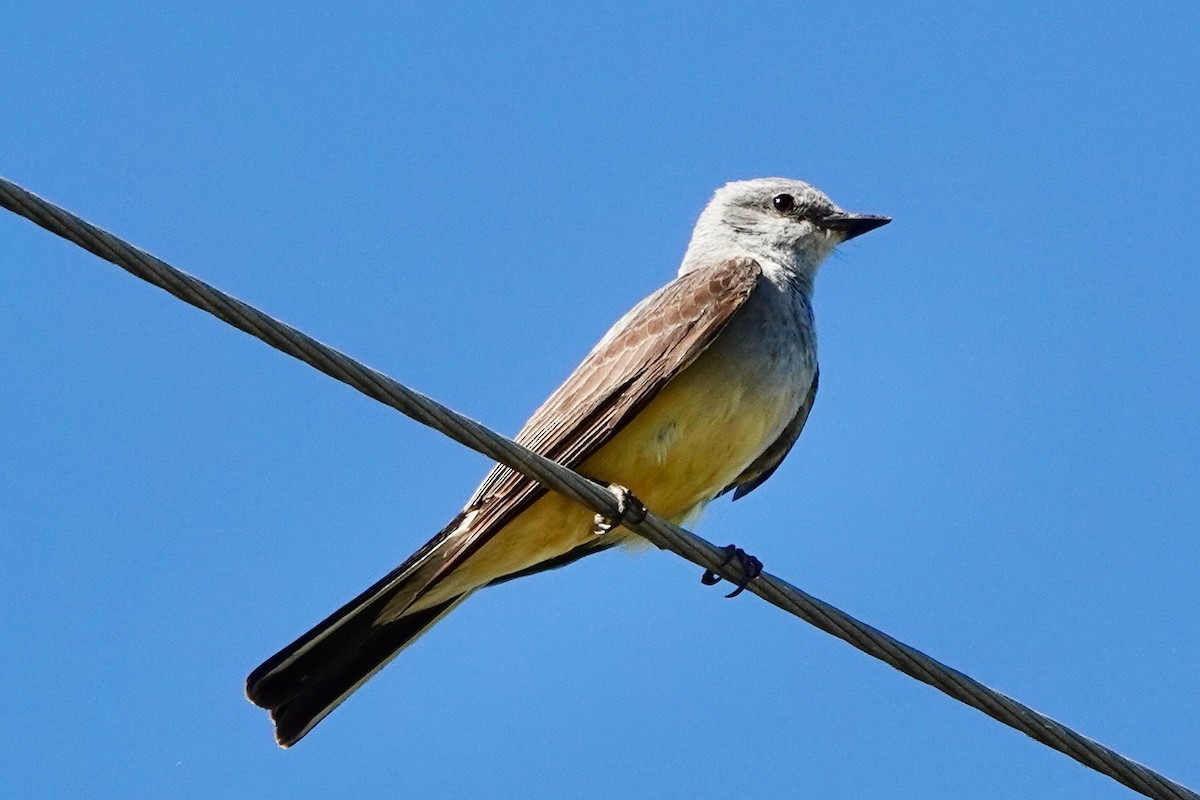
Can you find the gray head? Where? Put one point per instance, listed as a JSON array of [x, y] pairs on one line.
[[788, 226]]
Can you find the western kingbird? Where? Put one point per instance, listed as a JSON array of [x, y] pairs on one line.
[[701, 389]]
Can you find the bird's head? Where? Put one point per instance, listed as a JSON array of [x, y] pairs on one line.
[[787, 223]]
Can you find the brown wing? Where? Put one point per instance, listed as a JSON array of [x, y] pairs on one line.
[[645, 349], [766, 464]]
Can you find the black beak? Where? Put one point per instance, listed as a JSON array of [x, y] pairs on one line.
[[853, 224]]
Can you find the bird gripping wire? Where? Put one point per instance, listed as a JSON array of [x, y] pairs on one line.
[[599, 498]]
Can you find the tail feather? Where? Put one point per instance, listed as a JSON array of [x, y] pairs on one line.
[[306, 680], [310, 677], [300, 690], [323, 693], [334, 638], [302, 693]]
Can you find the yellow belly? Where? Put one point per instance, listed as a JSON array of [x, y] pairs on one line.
[[700, 432]]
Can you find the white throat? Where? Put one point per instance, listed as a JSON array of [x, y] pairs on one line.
[[715, 240]]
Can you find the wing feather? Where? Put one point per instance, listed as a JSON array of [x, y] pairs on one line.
[[650, 345]]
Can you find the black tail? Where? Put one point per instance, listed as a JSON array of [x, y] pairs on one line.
[[306, 680]]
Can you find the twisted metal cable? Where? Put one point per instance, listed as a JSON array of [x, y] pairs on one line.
[[599, 498]]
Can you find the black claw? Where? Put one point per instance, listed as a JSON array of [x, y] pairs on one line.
[[751, 569]]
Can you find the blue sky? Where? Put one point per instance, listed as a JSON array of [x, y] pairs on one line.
[[1001, 468]]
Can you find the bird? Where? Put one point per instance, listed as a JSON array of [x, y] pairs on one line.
[[701, 389]]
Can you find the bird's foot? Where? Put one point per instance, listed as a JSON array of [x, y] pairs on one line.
[[629, 510], [750, 566]]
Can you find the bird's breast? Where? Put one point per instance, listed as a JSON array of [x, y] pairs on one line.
[[718, 415], [699, 433]]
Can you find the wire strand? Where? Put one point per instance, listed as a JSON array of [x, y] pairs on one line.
[[601, 499]]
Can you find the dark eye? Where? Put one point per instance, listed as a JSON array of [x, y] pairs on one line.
[[784, 203]]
